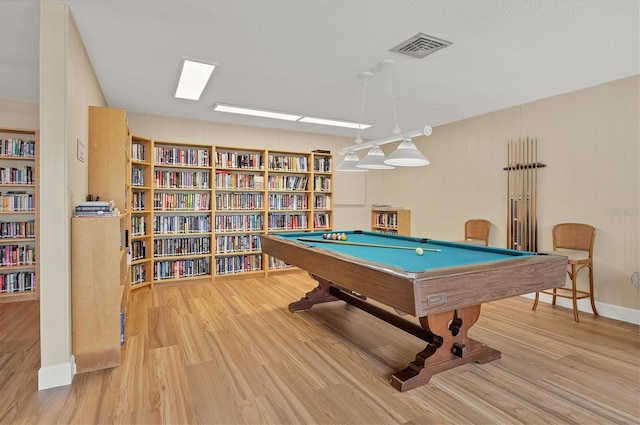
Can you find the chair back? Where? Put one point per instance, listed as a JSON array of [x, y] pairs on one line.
[[477, 228], [576, 236]]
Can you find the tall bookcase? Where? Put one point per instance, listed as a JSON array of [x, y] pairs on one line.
[[182, 198], [240, 196], [391, 220], [19, 215], [141, 236]]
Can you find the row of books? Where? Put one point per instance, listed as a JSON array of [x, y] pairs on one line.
[[138, 201], [279, 221], [174, 269], [386, 219], [18, 148], [238, 222], [17, 282], [322, 202], [137, 176], [226, 180], [276, 263], [322, 164], [321, 221], [237, 243], [138, 152], [16, 255], [181, 201], [11, 175], [18, 229], [244, 160], [138, 274], [322, 183], [238, 264], [166, 247], [176, 224], [287, 163], [181, 156], [138, 250], [287, 182], [182, 179], [239, 201], [288, 201], [18, 201]]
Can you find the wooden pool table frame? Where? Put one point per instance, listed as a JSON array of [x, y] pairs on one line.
[[446, 301]]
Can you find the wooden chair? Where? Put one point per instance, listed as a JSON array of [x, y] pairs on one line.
[[574, 240], [477, 231]]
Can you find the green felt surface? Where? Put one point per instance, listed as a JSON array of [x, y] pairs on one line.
[[451, 254]]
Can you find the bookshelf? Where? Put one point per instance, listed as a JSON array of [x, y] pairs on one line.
[[141, 236], [98, 259], [240, 199], [322, 196], [182, 208], [391, 220], [18, 215]]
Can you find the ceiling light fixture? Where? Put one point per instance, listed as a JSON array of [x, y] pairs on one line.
[[193, 79], [406, 155], [349, 163], [221, 107], [334, 123], [265, 113]]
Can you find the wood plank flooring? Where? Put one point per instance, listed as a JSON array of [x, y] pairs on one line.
[[231, 353]]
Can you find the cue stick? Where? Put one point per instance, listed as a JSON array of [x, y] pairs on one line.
[[375, 245]]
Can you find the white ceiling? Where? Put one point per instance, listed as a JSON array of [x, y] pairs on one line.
[[304, 56]]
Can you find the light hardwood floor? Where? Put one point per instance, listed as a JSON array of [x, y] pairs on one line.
[[231, 353]]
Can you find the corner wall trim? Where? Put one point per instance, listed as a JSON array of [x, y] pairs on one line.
[[57, 375]]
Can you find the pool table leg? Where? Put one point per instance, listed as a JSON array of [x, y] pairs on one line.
[[456, 349], [319, 294]]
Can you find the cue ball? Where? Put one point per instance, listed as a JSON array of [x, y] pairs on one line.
[[419, 251]]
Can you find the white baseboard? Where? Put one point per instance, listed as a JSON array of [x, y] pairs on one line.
[[623, 314], [57, 375]]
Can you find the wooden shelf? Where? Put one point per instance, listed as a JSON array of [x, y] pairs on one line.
[[19, 149]]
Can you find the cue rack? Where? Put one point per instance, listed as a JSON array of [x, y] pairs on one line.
[[522, 198]]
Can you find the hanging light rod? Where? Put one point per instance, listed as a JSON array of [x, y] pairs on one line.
[[425, 131]]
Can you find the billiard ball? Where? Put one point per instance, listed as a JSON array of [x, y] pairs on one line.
[[343, 237], [334, 236], [324, 236], [419, 251]]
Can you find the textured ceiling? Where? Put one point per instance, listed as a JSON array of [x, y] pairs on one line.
[[304, 56]]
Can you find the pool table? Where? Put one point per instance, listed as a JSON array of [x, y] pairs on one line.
[[443, 287]]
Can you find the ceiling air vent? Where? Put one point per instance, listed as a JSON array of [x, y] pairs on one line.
[[421, 45]]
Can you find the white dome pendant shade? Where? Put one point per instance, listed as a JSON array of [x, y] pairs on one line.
[[407, 155], [349, 163], [374, 160]]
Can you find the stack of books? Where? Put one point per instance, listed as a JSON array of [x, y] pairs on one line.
[[96, 209]]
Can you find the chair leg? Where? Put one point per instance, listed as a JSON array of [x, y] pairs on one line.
[[553, 299], [535, 302], [591, 296], [573, 293]]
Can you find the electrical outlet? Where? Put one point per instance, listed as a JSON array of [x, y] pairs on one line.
[[635, 279]]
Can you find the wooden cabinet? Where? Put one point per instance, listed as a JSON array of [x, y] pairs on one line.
[[391, 220], [97, 290], [110, 169], [18, 215]]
